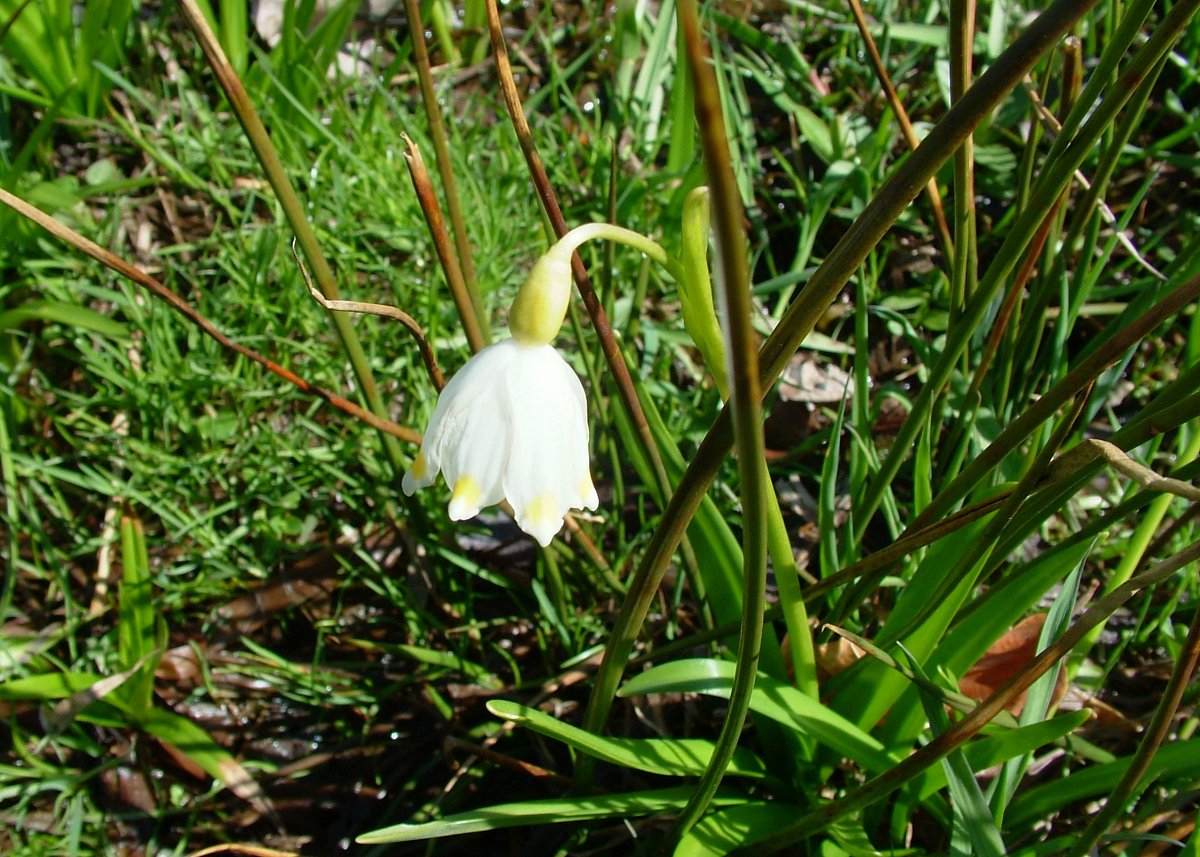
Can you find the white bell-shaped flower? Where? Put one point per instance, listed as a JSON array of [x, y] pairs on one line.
[[511, 424]]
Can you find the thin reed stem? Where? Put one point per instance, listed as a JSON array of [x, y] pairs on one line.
[[441, 152], [472, 323]]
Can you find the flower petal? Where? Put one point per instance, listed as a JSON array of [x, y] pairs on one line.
[[465, 501], [417, 476], [541, 518], [548, 462], [512, 423], [466, 415]]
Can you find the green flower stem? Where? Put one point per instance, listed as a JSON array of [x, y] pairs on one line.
[[558, 592], [293, 210], [441, 153], [802, 316], [745, 405], [791, 599], [580, 235]]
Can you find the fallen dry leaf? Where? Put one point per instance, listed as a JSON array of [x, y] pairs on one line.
[[1004, 659]]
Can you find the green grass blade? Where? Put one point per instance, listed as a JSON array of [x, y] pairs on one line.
[[58, 312], [1004, 745], [771, 699], [1172, 762], [866, 692], [139, 627], [973, 820], [189, 739], [727, 830], [46, 687], [235, 37], [529, 813], [669, 757]]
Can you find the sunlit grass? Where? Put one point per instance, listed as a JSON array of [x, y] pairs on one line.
[[299, 586]]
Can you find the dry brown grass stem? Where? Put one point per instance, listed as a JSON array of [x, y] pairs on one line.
[[426, 195]]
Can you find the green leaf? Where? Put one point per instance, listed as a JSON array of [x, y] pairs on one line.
[[189, 739], [43, 688], [994, 749], [868, 690], [930, 35], [531, 812], [669, 757], [729, 829], [972, 815], [1172, 761], [58, 312], [1005, 605], [772, 699], [66, 711], [740, 826], [139, 626]]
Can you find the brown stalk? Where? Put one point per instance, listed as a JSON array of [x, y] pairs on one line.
[[445, 249], [906, 126], [441, 151], [394, 313], [503, 760], [137, 275]]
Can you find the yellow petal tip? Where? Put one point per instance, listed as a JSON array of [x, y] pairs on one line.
[[464, 502]]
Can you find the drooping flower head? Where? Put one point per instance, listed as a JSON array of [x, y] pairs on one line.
[[512, 424]]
